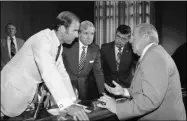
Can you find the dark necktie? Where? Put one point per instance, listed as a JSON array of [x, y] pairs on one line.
[[12, 47], [82, 59], [118, 57], [58, 53]]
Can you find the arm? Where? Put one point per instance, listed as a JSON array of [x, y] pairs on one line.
[[53, 78], [98, 73], [154, 82]]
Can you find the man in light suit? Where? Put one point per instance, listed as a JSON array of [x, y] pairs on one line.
[[6, 54], [72, 59], [155, 91], [119, 68], [38, 61]]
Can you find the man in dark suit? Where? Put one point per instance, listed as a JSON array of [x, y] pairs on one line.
[[10, 45], [82, 57], [118, 60]]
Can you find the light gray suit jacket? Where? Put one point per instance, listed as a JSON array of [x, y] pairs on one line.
[[34, 62], [155, 89], [5, 58]]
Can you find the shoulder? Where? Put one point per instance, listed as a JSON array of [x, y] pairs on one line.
[[3, 40], [19, 39], [155, 55], [107, 45], [94, 46]]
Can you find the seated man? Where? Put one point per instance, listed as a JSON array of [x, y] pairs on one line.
[[118, 59], [82, 57]]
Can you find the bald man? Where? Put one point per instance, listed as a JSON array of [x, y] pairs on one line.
[[155, 91]]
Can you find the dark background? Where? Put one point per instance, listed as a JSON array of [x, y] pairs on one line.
[[33, 16]]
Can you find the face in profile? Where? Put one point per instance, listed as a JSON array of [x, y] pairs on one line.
[[136, 42], [72, 32], [11, 30], [121, 39], [86, 36]]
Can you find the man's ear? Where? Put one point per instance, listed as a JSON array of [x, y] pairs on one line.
[[62, 29]]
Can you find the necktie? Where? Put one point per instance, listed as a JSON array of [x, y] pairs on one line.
[[82, 59], [118, 57], [58, 53], [12, 47]]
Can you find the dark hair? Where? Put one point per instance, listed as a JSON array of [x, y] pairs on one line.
[[65, 18], [123, 29], [6, 26]]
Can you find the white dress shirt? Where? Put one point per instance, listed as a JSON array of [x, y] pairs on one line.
[[9, 44]]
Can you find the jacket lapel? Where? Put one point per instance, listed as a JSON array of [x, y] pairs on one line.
[[5, 46], [18, 43], [88, 56], [76, 57], [124, 55], [113, 57], [138, 65]]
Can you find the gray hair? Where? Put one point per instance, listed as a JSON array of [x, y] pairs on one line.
[[85, 24], [150, 30]]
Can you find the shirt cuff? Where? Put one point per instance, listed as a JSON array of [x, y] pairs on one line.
[[64, 103], [126, 92]]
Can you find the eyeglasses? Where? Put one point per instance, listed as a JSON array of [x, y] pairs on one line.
[[123, 39]]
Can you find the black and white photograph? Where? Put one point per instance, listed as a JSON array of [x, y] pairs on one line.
[[93, 60]]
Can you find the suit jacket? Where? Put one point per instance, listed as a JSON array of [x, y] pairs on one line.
[[155, 89], [5, 58], [128, 60], [71, 62], [33, 63]]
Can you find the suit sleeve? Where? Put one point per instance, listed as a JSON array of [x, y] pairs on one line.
[[98, 72], [53, 78], [154, 82]]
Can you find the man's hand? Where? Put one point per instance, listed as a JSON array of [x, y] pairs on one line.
[[110, 103], [117, 90], [77, 112]]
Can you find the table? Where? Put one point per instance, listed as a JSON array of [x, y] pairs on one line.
[[43, 115]]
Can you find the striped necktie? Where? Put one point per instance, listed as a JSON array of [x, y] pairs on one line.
[[118, 57], [58, 52], [12, 47], [82, 59]]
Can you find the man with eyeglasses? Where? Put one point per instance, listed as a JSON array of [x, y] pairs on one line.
[[118, 59]]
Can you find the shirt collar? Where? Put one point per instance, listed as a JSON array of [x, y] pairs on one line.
[[118, 47], [145, 50], [8, 37], [81, 45]]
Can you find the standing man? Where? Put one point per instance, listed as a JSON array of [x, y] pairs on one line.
[[10, 45], [118, 59], [155, 91], [38, 61], [81, 58]]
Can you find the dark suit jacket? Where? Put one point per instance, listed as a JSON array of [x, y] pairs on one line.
[[123, 76], [71, 62], [4, 50]]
